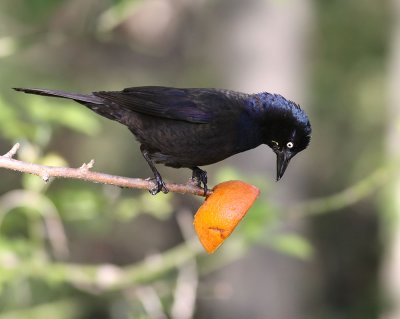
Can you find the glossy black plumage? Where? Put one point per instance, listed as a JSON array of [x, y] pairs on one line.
[[196, 127]]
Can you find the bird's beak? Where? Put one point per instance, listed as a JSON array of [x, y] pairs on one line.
[[282, 162]]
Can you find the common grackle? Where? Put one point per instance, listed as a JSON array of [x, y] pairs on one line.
[[196, 127]]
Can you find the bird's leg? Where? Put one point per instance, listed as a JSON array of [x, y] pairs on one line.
[[200, 176], [160, 185]]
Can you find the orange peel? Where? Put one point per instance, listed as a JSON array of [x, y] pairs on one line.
[[222, 211]]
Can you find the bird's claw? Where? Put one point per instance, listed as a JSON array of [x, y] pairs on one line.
[[160, 186], [200, 177]]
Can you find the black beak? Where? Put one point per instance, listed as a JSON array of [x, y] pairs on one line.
[[282, 162]]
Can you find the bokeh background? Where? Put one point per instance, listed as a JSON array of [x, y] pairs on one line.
[[322, 243]]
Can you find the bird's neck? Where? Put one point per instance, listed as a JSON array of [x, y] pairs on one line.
[[272, 111]]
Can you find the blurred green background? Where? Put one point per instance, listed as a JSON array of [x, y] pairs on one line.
[[322, 243]]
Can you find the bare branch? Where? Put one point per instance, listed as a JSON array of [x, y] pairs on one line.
[[84, 173]]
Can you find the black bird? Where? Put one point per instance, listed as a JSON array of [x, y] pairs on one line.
[[193, 127]]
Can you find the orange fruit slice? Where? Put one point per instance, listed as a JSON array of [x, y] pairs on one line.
[[222, 211]]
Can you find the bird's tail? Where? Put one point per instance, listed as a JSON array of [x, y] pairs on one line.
[[95, 103], [82, 98]]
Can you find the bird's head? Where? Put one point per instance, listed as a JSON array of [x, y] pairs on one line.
[[287, 130]]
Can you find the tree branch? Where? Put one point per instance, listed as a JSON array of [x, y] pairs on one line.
[[84, 173]]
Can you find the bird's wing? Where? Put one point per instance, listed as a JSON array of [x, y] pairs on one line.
[[190, 105]]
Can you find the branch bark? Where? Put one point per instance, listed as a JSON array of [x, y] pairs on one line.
[[84, 173]]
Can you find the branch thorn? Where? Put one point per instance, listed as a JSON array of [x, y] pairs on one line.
[[11, 153], [45, 178], [87, 166]]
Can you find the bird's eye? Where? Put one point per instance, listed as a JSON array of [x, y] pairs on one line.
[[275, 143], [289, 145]]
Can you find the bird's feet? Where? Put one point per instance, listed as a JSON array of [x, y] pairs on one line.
[[200, 177], [160, 185]]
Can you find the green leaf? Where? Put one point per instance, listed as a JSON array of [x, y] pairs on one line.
[[80, 203], [11, 124], [228, 173], [117, 13], [159, 207], [8, 46], [63, 113], [128, 208], [293, 245]]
